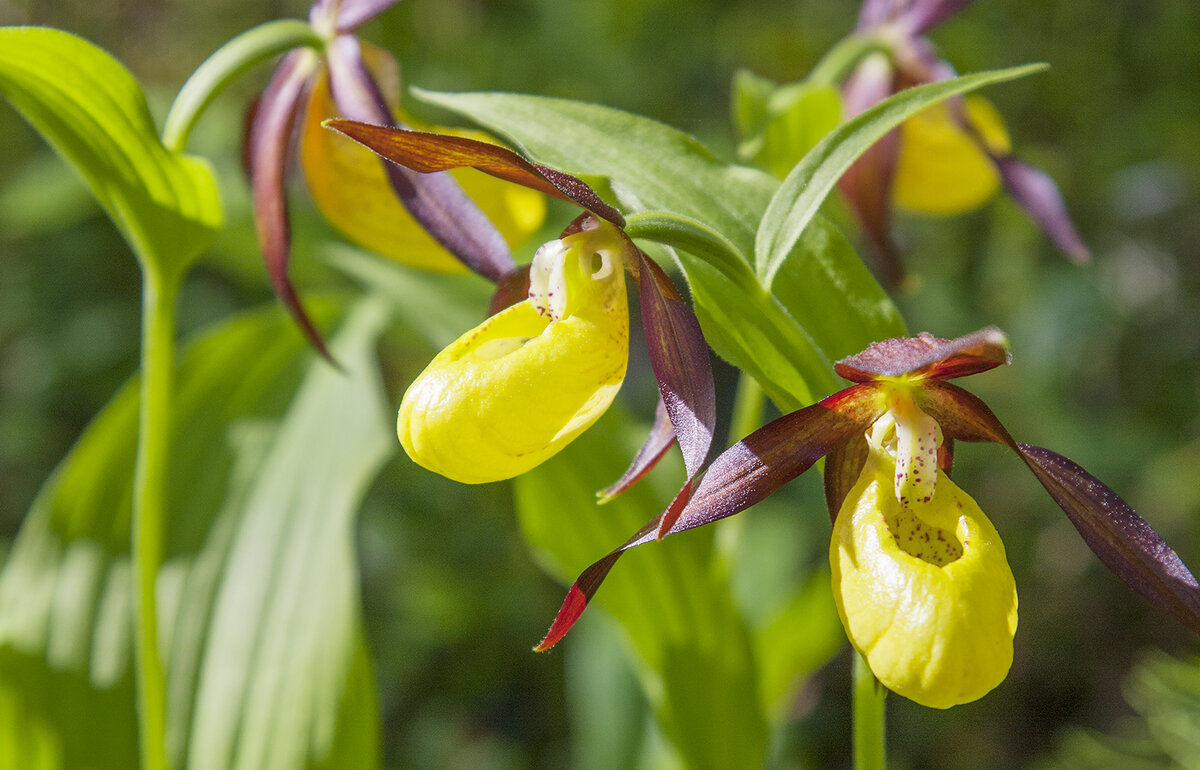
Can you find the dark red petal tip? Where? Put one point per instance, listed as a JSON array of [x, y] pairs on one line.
[[572, 608], [928, 356]]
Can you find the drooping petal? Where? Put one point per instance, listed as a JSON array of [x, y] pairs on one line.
[[427, 221], [843, 466], [268, 141], [511, 289], [681, 364], [1123, 541], [924, 591], [739, 477], [426, 152], [661, 439], [1118, 535], [866, 185], [512, 392], [353, 13], [1036, 192], [941, 169], [926, 356]]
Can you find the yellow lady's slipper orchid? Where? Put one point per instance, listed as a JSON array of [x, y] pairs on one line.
[[352, 192], [942, 171], [516, 389], [920, 580]]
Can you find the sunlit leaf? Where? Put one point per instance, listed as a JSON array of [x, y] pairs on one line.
[[92, 111], [258, 596]]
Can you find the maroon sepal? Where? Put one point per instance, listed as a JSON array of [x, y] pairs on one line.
[[426, 153], [661, 439], [268, 143], [1037, 193], [928, 356], [679, 356], [1117, 535], [512, 288], [843, 466], [351, 14], [1121, 539], [739, 477], [435, 201]]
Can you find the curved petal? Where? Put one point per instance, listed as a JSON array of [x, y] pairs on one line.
[[425, 220], [426, 153], [681, 364], [739, 477], [1122, 539], [268, 141], [661, 439], [1036, 192], [1117, 535], [512, 392]]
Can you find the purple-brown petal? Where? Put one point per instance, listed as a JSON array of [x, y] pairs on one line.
[[741, 476], [924, 15], [961, 414], [1117, 535], [928, 356], [679, 356], [426, 153], [353, 13], [842, 468], [436, 201], [1037, 193], [510, 289], [268, 142], [661, 439]]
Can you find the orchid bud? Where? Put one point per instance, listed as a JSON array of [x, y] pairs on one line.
[[516, 389], [922, 585]]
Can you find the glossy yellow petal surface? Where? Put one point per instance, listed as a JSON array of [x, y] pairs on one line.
[[940, 170], [515, 390], [348, 184], [925, 592]]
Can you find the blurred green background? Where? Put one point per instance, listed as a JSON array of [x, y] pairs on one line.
[[1106, 357]]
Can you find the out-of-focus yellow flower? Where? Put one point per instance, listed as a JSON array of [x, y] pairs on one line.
[[919, 574], [351, 189], [516, 389], [942, 171]]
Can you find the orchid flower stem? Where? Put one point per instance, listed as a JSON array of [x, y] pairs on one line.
[[149, 507], [870, 698], [837, 63], [748, 407], [225, 65]]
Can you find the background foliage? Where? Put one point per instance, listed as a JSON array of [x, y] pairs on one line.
[[1106, 358]]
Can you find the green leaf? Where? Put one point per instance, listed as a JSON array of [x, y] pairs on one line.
[[780, 124], [693, 648], [258, 595], [92, 111], [800, 196]]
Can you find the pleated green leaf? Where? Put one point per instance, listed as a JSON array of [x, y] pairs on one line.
[[259, 608]]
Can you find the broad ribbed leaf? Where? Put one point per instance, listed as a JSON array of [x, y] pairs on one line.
[[800, 196], [92, 111], [677, 611], [258, 595]]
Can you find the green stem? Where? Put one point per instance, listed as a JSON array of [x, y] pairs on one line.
[[748, 407], [845, 55], [149, 507], [869, 733], [225, 65]]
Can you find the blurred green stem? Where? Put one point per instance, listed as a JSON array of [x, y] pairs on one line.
[[225, 65], [149, 505], [837, 63], [748, 406], [870, 698]]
